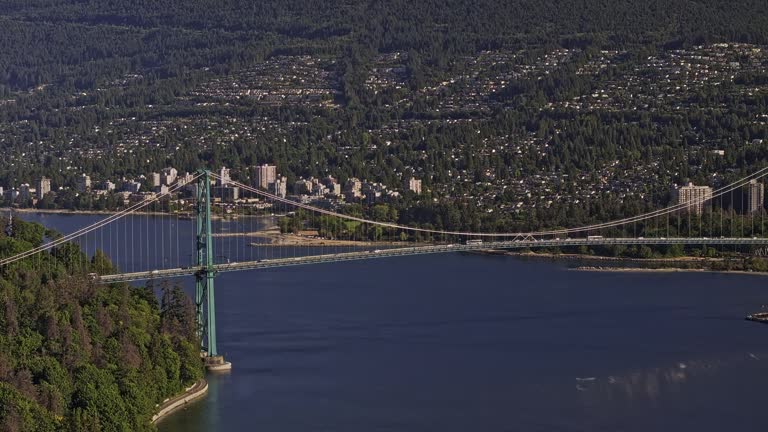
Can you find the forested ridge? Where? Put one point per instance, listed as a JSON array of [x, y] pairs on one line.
[[86, 41], [77, 356], [542, 112]]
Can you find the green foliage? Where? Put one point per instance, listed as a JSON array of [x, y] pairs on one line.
[[75, 356], [19, 413], [757, 264], [98, 400]]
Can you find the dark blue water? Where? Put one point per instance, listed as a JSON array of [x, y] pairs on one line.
[[477, 343]]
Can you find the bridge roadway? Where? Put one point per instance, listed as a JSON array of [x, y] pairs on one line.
[[431, 249]]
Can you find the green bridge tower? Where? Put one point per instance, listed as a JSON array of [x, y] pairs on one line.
[[205, 300]]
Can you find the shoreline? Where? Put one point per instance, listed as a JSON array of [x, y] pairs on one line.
[[171, 405], [644, 265], [581, 257], [663, 270]]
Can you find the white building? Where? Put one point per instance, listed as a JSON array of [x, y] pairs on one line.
[[224, 176], [43, 187], [697, 196], [168, 176], [413, 185], [280, 187]]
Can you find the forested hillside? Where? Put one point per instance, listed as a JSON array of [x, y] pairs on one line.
[[87, 41], [76, 356], [539, 111]]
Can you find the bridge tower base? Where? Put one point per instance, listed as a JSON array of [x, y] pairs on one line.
[[217, 364]]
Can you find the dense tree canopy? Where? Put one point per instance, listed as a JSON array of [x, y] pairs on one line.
[[77, 356]]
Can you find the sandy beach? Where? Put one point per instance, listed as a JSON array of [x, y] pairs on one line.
[[278, 239]]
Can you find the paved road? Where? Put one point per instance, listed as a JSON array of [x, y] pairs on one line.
[[429, 249]]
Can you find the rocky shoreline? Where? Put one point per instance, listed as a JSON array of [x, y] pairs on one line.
[[622, 264], [661, 270]]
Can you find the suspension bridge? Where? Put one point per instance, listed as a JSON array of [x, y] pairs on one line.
[[151, 239]]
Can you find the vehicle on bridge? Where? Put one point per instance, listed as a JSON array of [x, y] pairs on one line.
[[474, 242]]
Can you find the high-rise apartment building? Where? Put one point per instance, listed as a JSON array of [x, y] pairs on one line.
[[265, 176], [755, 194], [224, 176], [43, 187], [168, 176], [280, 187], [695, 196]]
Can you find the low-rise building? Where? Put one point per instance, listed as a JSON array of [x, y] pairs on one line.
[[302, 187], [131, 186], [413, 184], [353, 188], [227, 193]]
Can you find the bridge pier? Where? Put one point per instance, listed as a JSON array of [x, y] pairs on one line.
[[217, 364]]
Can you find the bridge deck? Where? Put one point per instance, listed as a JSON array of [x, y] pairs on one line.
[[431, 249]]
